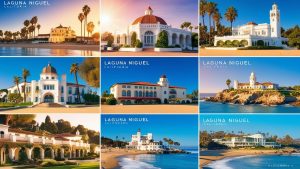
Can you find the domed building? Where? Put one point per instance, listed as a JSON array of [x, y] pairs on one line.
[[50, 88], [147, 28]]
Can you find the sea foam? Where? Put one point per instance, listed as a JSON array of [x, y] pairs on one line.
[[127, 163], [223, 164]]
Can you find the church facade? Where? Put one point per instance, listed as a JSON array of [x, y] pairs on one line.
[[254, 85], [50, 89], [135, 92], [148, 27], [251, 34]]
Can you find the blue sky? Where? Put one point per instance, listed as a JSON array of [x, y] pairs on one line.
[[181, 72], [258, 11], [181, 128], [11, 67], [279, 125], [283, 71]]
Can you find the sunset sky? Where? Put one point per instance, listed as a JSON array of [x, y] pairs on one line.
[[63, 12], [117, 15]]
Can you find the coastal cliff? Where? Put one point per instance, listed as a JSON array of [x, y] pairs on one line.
[[246, 97]]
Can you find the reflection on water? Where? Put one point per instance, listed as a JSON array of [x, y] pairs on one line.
[[15, 51]]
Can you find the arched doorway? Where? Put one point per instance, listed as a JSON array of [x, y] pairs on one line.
[[36, 153], [20, 155], [48, 98], [181, 41], [174, 39], [188, 40], [48, 153], [149, 39]]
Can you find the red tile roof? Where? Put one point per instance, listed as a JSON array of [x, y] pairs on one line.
[[149, 19]]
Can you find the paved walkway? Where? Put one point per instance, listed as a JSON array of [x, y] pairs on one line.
[[150, 53], [210, 52]]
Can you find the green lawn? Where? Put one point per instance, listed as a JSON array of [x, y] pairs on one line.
[[86, 165]]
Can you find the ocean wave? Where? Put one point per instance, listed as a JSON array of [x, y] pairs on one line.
[[127, 163], [223, 164]]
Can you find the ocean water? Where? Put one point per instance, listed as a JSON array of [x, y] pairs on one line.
[[258, 162], [15, 51], [214, 107], [160, 161]]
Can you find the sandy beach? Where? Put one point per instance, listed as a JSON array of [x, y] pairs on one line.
[[109, 156], [157, 109], [70, 46], [210, 52], [221, 154], [54, 110]]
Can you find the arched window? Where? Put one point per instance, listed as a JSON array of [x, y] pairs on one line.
[[140, 94], [128, 93], [151, 94], [147, 94], [149, 38], [155, 94], [1, 134], [123, 93], [136, 94]]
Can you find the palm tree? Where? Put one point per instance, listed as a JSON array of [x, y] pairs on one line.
[[230, 15], [81, 18], [90, 28], [33, 22], [38, 27], [25, 75], [228, 82], [31, 29], [74, 70], [86, 10], [26, 24], [17, 80], [210, 9], [216, 18], [202, 10]]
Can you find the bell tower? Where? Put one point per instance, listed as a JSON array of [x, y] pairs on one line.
[[252, 80], [275, 21]]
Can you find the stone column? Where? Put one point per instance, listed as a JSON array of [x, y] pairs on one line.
[[79, 153], [11, 153], [52, 154], [42, 153], [29, 153], [71, 151], [62, 153]]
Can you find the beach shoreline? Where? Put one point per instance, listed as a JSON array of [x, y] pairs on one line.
[[109, 157], [206, 160], [67, 46]]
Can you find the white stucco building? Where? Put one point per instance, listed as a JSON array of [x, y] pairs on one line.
[[254, 85], [251, 32], [147, 28], [50, 88], [52, 146], [135, 92], [255, 140], [144, 142]]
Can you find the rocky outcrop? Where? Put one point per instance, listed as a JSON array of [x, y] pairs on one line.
[[251, 97]]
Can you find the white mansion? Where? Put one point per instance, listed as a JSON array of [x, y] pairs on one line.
[[148, 27], [144, 142], [49, 89], [251, 32], [255, 140], [14, 141], [253, 84], [135, 92]]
